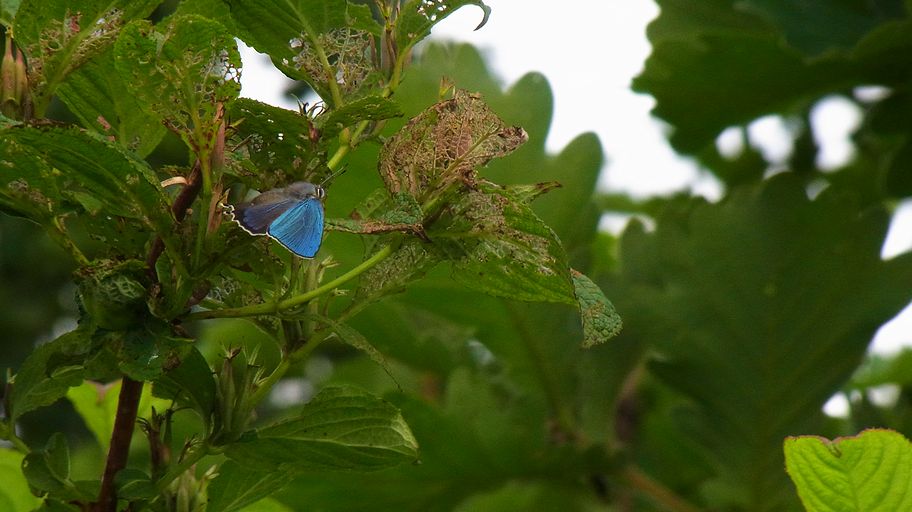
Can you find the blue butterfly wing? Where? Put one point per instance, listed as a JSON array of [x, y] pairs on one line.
[[256, 218], [300, 228]]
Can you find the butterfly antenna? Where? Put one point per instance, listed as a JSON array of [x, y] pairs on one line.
[[329, 179]]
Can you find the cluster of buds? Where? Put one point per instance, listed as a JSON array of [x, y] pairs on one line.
[[236, 383], [15, 102]]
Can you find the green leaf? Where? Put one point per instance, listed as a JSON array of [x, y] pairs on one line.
[[341, 428], [133, 484], [350, 336], [49, 371], [446, 143], [190, 384], [705, 85], [278, 143], [8, 10], [105, 103], [818, 26], [323, 42], [408, 263], [369, 108], [500, 247], [96, 403], [868, 472], [59, 167], [417, 17], [600, 320], [746, 332], [48, 470], [237, 487], [59, 37], [15, 495], [266, 505], [183, 71]]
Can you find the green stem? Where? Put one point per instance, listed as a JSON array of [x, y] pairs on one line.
[[637, 479], [291, 302], [18, 443], [181, 467]]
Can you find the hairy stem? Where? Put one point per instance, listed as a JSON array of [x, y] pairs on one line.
[[127, 407]]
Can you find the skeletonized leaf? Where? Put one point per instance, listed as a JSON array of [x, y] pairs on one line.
[[326, 43], [500, 247], [341, 428], [445, 143]]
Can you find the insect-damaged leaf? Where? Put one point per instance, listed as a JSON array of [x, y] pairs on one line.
[[326, 43], [419, 16], [59, 36], [444, 143], [500, 247], [601, 321], [182, 69]]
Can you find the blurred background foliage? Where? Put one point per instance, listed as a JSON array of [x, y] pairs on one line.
[[742, 317]]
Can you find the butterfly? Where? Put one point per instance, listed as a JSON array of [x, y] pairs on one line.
[[292, 215]]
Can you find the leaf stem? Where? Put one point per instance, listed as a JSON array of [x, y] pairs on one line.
[[181, 467], [637, 479], [291, 302]]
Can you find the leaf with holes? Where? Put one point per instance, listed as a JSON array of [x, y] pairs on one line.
[[105, 103], [446, 143], [327, 43], [500, 247], [183, 70], [417, 17], [59, 36]]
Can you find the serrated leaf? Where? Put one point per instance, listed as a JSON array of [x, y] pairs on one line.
[[183, 71], [723, 290], [43, 171], [104, 103], [418, 17], [369, 108], [189, 384], [326, 43], [350, 336], [445, 143], [712, 72], [341, 428], [59, 36], [498, 246], [48, 470], [14, 493], [601, 321], [49, 371], [278, 144], [237, 486], [870, 472], [411, 260]]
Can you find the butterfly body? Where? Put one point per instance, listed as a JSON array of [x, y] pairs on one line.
[[292, 215]]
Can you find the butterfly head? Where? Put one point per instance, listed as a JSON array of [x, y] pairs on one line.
[[304, 190]]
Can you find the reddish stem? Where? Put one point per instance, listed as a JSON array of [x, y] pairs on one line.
[[127, 407]]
